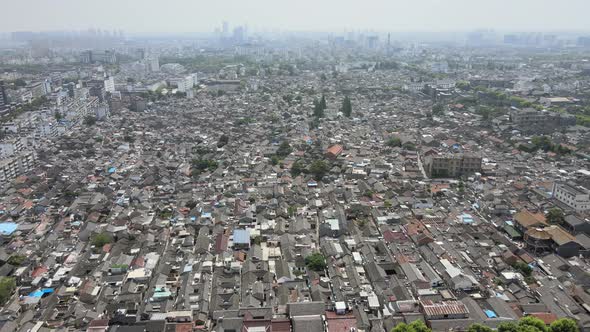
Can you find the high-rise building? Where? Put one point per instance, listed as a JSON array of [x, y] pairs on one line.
[[154, 63], [239, 35], [3, 96], [109, 84], [225, 29]]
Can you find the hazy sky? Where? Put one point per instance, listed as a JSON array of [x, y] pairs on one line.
[[324, 15]]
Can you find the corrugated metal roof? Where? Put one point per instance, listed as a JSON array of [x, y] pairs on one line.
[[241, 236], [444, 308]]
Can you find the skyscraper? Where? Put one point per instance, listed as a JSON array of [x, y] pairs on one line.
[[3, 97], [154, 63], [225, 29]]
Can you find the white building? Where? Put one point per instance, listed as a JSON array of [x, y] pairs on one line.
[[109, 84], [17, 165], [154, 63], [183, 84], [9, 148], [576, 197]]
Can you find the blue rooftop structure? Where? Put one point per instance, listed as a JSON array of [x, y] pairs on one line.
[[466, 218], [112, 170], [241, 236], [7, 228], [41, 292], [490, 314]]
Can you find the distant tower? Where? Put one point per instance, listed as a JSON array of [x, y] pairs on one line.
[[3, 96], [225, 29], [154, 63], [388, 43]]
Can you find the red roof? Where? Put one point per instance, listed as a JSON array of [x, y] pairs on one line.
[[546, 317], [107, 247], [221, 243], [391, 236], [138, 262], [335, 150], [281, 325], [340, 323], [38, 271]]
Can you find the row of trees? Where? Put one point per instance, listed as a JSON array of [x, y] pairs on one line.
[[545, 144], [319, 107], [346, 107], [525, 324]]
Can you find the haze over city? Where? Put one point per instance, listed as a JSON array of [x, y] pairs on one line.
[[304, 15]]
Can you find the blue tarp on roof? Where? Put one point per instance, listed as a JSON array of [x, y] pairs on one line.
[[112, 170], [490, 314], [41, 292], [467, 218], [7, 228], [241, 236]]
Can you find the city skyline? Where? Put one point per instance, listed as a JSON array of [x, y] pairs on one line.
[[181, 16]]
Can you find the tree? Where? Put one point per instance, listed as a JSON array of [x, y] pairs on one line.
[[394, 142], [564, 325], [274, 160], [7, 286], [318, 111], [284, 149], [19, 83], [57, 115], [415, 326], [463, 85], [555, 216], [223, 139], [200, 165], [419, 326], [438, 109], [89, 120], [346, 107], [297, 168], [530, 323], [323, 103], [479, 328], [318, 168], [508, 327], [16, 260], [524, 268], [409, 146], [99, 240], [257, 240], [316, 262], [542, 142], [533, 324], [402, 327]]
